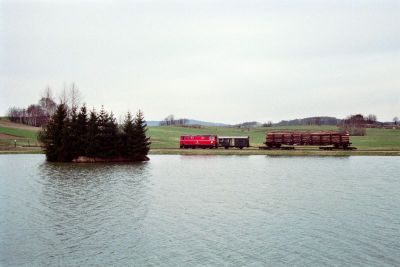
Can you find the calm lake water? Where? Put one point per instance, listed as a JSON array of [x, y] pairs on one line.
[[201, 210]]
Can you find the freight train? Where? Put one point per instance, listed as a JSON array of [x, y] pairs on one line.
[[273, 140], [213, 141]]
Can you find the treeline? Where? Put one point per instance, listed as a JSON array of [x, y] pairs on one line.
[[361, 120], [355, 124], [310, 121], [38, 114], [170, 120], [247, 124], [72, 134], [35, 114]]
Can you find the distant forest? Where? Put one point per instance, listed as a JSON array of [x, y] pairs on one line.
[[70, 134], [38, 114], [311, 121]]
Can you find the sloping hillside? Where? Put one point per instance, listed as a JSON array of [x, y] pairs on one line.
[[24, 135]]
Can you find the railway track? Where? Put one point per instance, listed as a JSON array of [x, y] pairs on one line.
[[254, 148]]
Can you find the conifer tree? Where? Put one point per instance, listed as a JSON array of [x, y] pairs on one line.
[[67, 147], [71, 140], [128, 136], [112, 148], [82, 129], [103, 137], [142, 143], [92, 135], [52, 136]]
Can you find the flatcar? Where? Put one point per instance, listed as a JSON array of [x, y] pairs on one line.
[[327, 138], [233, 141], [198, 141]]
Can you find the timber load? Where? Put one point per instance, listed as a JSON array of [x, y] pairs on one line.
[[326, 140]]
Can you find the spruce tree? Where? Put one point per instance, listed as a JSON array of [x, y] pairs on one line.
[[67, 147], [92, 135], [103, 137], [128, 137], [72, 136], [52, 136], [82, 129], [142, 143], [112, 148]]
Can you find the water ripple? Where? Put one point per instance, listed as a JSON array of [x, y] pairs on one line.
[[205, 210]]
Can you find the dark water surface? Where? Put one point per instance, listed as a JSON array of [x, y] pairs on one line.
[[201, 210]]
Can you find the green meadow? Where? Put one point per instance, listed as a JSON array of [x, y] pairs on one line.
[[165, 139], [376, 139], [22, 136]]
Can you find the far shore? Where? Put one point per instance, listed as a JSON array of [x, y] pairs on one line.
[[250, 151]]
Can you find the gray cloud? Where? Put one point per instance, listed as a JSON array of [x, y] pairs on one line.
[[226, 61]]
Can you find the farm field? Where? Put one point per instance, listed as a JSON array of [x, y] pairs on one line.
[[165, 140]]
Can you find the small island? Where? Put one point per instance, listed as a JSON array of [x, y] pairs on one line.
[[72, 136]]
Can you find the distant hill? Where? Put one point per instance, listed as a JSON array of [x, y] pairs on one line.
[[205, 123], [310, 121], [191, 122], [153, 123], [248, 124], [323, 120], [305, 121]]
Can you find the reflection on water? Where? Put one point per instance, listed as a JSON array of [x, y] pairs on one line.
[[202, 210], [76, 209], [86, 203]]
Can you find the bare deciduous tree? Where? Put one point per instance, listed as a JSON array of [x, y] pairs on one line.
[[71, 97], [47, 101], [371, 118], [64, 96], [74, 96], [169, 120]]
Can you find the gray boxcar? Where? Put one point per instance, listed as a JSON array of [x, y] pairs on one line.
[[233, 141]]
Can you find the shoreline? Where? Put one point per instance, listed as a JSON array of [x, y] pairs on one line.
[[312, 152], [297, 152]]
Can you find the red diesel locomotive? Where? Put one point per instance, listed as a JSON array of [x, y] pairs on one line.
[[213, 141], [198, 141]]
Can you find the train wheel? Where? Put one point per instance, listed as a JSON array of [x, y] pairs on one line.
[[240, 147], [227, 147]]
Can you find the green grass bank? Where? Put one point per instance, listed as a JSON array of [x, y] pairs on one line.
[[165, 140]]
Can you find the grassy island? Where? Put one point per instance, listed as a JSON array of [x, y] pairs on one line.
[[76, 136]]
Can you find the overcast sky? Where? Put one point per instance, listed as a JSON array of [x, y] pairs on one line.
[[222, 61]]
